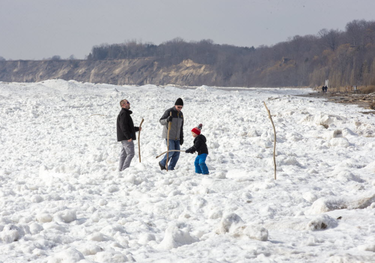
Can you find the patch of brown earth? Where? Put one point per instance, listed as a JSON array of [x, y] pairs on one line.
[[366, 101]]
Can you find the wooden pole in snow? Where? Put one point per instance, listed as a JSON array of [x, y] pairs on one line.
[[274, 144], [139, 140], [169, 129], [168, 151]]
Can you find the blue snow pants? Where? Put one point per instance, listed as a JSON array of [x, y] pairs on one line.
[[200, 164]]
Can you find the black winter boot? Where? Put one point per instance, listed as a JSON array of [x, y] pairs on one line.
[[161, 166]]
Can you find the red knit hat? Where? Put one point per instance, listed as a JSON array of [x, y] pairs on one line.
[[197, 130]]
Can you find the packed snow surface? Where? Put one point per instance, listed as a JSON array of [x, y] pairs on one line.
[[63, 200]]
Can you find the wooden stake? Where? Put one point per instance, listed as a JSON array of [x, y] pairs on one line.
[[274, 144], [169, 129], [139, 140], [169, 151]]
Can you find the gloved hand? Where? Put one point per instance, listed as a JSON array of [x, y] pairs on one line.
[[181, 141], [169, 119], [189, 150]]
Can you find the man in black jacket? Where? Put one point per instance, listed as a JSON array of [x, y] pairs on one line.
[[126, 134]]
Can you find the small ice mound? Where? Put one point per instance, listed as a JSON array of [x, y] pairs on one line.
[[364, 129], [197, 203], [264, 143], [337, 134], [99, 237], [311, 241], [323, 205], [367, 247], [370, 167], [132, 178], [253, 232], [44, 218], [350, 163], [66, 216], [252, 133], [247, 197], [176, 235], [347, 132], [326, 120], [307, 118], [90, 249], [35, 228], [69, 255], [221, 175], [112, 189], [294, 137], [145, 238], [347, 176], [113, 229], [213, 145], [267, 211], [347, 258], [235, 226], [312, 171], [111, 256], [229, 222], [309, 197], [339, 142], [290, 160], [215, 214], [321, 223], [205, 88], [37, 199], [12, 233]]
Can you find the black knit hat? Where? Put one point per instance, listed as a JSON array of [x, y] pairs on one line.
[[179, 102]]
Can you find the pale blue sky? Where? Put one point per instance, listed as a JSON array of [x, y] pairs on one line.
[[37, 29]]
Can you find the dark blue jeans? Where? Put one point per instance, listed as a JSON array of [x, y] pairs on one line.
[[200, 164], [173, 156]]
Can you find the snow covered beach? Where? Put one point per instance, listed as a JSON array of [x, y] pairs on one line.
[[63, 200]]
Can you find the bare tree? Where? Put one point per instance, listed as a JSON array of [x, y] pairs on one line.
[[330, 38], [355, 32]]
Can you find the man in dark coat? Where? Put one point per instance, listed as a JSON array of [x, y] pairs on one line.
[[175, 118], [126, 134]]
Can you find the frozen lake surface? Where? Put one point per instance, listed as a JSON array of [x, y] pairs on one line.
[[62, 199]]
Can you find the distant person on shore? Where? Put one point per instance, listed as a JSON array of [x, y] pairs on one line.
[[199, 146], [126, 134], [175, 118]]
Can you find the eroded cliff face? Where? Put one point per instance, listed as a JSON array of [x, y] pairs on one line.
[[120, 72]]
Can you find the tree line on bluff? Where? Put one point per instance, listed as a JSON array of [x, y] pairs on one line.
[[346, 58]]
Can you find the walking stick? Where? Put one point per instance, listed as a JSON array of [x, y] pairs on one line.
[[169, 129], [168, 151], [274, 132], [139, 140]]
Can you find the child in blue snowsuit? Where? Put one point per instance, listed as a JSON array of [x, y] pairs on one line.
[[200, 147]]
